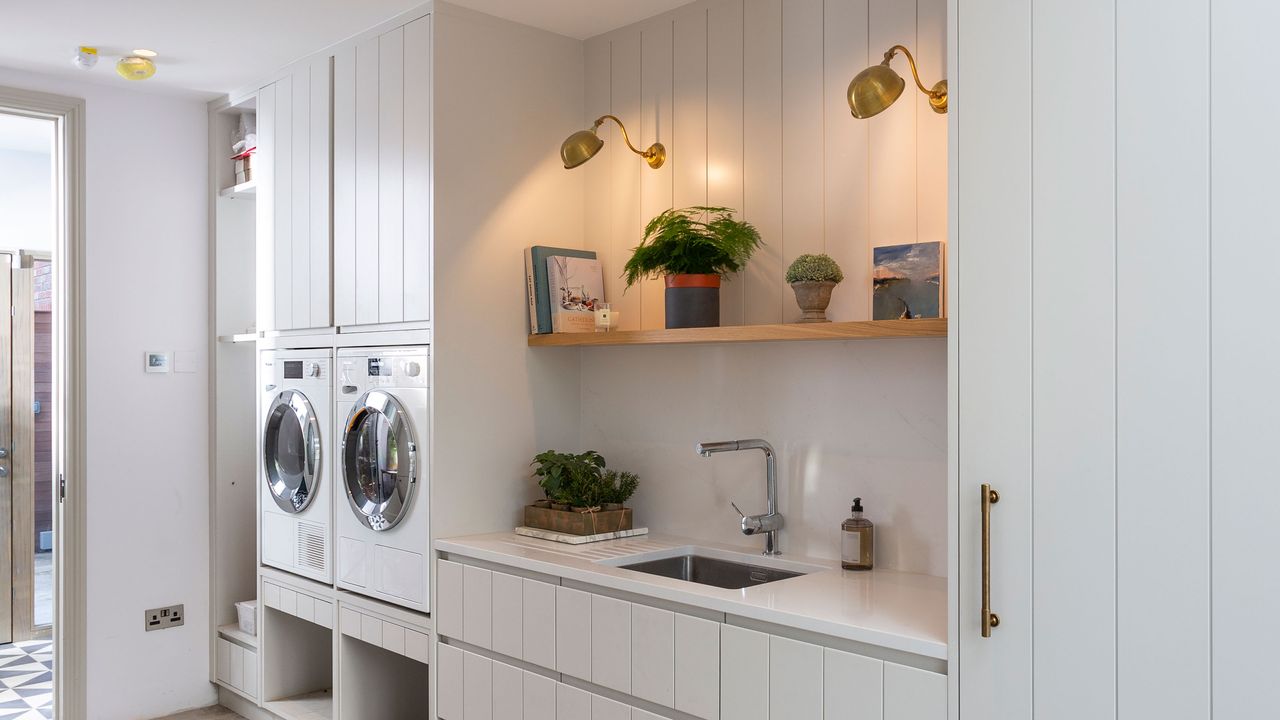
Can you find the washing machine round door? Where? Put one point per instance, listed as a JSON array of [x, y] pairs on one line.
[[291, 451], [379, 460]]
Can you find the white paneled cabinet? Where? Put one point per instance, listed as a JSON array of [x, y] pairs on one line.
[[237, 667], [697, 666], [795, 680], [653, 648], [294, 230], [573, 632], [382, 178], [611, 643], [744, 673]]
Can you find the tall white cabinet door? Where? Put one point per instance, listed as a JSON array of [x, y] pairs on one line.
[[697, 671], [265, 222], [477, 687], [990, 347], [795, 680], [744, 674], [508, 692], [391, 176], [344, 186], [573, 632], [365, 199], [539, 624], [281, 237], [852, 686], [508, 614], [318, 275], [416, 264], [653, 655], [914, 694], [449, 691], [611, 643]]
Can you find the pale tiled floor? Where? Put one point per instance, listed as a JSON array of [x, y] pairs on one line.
[[26, 680], [210, 713]]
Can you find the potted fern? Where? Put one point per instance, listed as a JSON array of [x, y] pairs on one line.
[[692, 249], [583, 497], [812, 278]]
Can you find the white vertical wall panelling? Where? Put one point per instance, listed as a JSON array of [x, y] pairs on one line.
[[416, 272], [391, 122], [344, 186], [688, 148], [299, 287], [320, 240], [1073, 358], [930, 48], [762, 166], [1162, 334], [992, 116], [598, 173], [266, 224], [624, 99], [724, 132], [656, 121], [892, 185], [845, 171], [1245, 387], [367, 176], [282, 238], [803, 133]]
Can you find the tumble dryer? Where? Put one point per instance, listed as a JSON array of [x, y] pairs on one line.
[[296, 497], [383, 516]]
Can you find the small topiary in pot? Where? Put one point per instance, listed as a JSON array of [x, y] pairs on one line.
[[813, 277]]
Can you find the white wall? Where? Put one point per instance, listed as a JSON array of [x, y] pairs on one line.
[[499, 188], [749, 98], [147, 484], [26, 200]]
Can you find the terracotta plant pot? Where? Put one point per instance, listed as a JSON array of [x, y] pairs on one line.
[[693, 301], [813, 298]]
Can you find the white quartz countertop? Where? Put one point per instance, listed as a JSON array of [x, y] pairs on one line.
[[890, 609]]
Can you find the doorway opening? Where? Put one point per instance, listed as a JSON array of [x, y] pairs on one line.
[[29, 240]]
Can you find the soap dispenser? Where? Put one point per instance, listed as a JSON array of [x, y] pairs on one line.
[[857, 540]]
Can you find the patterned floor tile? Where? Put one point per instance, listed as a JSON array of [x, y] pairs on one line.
[[26, 680]]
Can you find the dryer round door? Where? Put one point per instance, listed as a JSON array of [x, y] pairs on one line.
[[379, 460], [291, 451]]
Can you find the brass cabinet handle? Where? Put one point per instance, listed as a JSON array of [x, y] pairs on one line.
[[989, 619]]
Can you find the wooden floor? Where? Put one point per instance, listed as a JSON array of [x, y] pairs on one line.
[[217, 712]]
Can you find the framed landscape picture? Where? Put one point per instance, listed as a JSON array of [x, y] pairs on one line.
[[907, 281]]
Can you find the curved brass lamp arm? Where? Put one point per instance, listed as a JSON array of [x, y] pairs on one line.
[[888, 55], [625, 137], [655, 155]]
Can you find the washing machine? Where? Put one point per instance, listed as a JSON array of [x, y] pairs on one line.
[[382, 408], [297, 495]]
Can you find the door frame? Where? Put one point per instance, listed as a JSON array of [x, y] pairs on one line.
[[69, 581]]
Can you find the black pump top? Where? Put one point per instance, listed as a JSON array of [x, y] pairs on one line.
[[857, 505]]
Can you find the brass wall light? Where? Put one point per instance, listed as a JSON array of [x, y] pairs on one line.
[[877, 87], [584, 144]]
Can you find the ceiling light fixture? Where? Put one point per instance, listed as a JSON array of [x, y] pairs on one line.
[[143, 52], [86, 57], [876, 88], [584, 144], [135, 68]]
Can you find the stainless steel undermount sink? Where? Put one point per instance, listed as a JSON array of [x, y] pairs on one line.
[[711, 571]]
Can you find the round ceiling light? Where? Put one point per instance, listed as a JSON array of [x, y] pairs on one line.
[[135, 68], [143, 52]]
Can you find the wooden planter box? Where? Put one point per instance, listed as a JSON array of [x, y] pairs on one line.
[[573, 522]]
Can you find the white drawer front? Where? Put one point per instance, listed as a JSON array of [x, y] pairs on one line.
[[611, 643], [449, 599], [477, 606], [697, 666], [653, 655], [914, 694], [538, 626], [573, 632], [795, 680], [852, 686], [508, 615]]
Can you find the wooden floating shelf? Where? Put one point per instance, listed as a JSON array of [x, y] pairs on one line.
[[863, 330]]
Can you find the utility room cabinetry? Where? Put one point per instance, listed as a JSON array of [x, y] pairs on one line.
[[382, 177], [293, 165]]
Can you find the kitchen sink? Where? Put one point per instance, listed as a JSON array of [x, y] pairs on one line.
[[711, 571]]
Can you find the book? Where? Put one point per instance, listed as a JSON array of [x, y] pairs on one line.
[[577, 287], [536, 286]]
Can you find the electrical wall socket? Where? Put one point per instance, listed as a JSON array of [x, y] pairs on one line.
[[165, 617]]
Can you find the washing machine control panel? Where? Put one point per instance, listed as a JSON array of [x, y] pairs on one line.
[[396, 371]]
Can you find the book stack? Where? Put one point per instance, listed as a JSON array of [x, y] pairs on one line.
[[564, 286]]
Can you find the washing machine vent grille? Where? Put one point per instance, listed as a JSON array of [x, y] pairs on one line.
[[311, 550]]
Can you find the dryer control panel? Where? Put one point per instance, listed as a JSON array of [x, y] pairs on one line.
[[392, 368]]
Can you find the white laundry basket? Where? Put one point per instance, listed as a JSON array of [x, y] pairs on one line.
[[247, 616]]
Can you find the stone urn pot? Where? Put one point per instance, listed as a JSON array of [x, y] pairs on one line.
[[813, 298]]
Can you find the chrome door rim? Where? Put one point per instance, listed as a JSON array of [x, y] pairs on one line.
[[291, 500], [383, 516]]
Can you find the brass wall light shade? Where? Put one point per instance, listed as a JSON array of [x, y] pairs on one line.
[[584, 144], [877, 87]]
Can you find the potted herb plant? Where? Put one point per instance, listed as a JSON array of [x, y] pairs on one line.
[[692, 249], [583, 497], [813, 277]]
